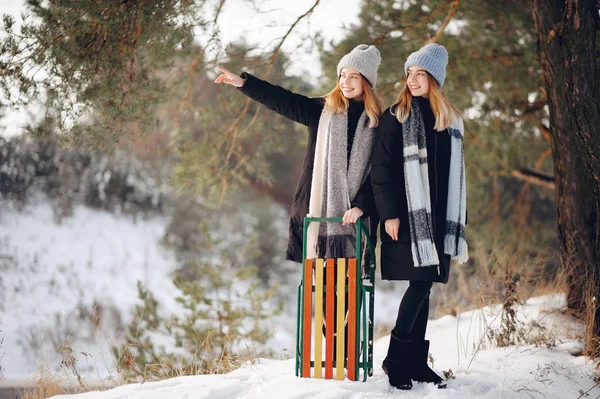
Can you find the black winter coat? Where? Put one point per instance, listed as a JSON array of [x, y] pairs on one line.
[[307, 111], [387, 178]]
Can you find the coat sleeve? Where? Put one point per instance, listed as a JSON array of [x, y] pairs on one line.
[[364, 198], [384, 179], [293, 106]]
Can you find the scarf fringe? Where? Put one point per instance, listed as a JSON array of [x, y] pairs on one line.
[[460, 254], [339, 246], [427, 252]]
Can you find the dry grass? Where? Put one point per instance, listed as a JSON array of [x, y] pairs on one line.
[[46, 384], [592, 348], [68, 380], [487, 285], [163, 366]]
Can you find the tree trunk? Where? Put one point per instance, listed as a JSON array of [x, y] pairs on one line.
[[583, 95], [576, 200]]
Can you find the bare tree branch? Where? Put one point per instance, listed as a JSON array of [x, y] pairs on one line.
[[199, 57], [235, 126], [428, 18], [545, 131], [542, 157], [451, 13], [536, 177]]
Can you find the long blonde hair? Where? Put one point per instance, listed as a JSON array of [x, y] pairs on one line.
[[442, 108], [336, 102]]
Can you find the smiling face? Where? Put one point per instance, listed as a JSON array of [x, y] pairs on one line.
[[351, 84], [418, 82]]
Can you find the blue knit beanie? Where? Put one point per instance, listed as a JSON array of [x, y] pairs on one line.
[[433, 58]]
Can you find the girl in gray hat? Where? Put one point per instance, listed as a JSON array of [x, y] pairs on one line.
[[418, 178], [335, 177]]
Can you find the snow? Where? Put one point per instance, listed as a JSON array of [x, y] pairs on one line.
[[96, 257], [513, 372], [66, 271]]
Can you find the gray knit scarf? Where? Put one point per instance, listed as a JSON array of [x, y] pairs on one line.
[[416, 179], [335, 183]]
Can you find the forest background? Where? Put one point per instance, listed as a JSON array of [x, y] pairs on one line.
[[130, 121]]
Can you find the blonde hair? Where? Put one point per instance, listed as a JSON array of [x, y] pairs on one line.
[[336, 102], [443, 110]]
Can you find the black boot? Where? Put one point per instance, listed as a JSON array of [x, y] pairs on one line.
[[396, 363], [421, 372]]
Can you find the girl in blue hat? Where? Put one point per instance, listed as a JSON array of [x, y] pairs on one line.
[[418, 179]]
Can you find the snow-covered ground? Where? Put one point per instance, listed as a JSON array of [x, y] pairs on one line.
[[513, 372], [95, 258], [55, 277]]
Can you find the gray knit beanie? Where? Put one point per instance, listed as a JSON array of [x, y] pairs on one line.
[[433, 58], [365, 59]]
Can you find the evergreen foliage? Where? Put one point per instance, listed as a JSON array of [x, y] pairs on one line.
[[226, 141], [494, 77], [221, 322], [95, 63]]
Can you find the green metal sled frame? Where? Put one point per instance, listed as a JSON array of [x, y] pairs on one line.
[[364, 346]]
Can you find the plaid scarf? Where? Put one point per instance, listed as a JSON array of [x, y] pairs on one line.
[[335, 182], [416, 179]]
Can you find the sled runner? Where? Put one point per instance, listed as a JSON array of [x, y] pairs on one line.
[[334, 325]]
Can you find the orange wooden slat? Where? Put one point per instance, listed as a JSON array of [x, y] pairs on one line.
[[351, 319], [306, 337], [329, 319], [340, 318]]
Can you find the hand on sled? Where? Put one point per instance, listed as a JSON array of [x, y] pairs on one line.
[[351, 216], [229, 78]]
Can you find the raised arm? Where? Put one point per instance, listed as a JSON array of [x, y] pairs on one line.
[[299, 108]]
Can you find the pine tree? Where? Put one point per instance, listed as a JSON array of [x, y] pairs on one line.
[[220, 323], [95, 63], [495, 79]]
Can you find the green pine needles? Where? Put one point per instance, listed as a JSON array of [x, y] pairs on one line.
[[94, 64], [221, 324]]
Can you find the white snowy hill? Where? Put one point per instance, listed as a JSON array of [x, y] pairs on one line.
[[491, 373]]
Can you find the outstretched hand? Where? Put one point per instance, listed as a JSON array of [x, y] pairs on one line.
[[229, 78]]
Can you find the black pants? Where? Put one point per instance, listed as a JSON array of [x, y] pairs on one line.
[[413, 312]]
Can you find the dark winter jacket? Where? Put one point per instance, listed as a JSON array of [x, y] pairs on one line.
[[387, 178], [307, 111]]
